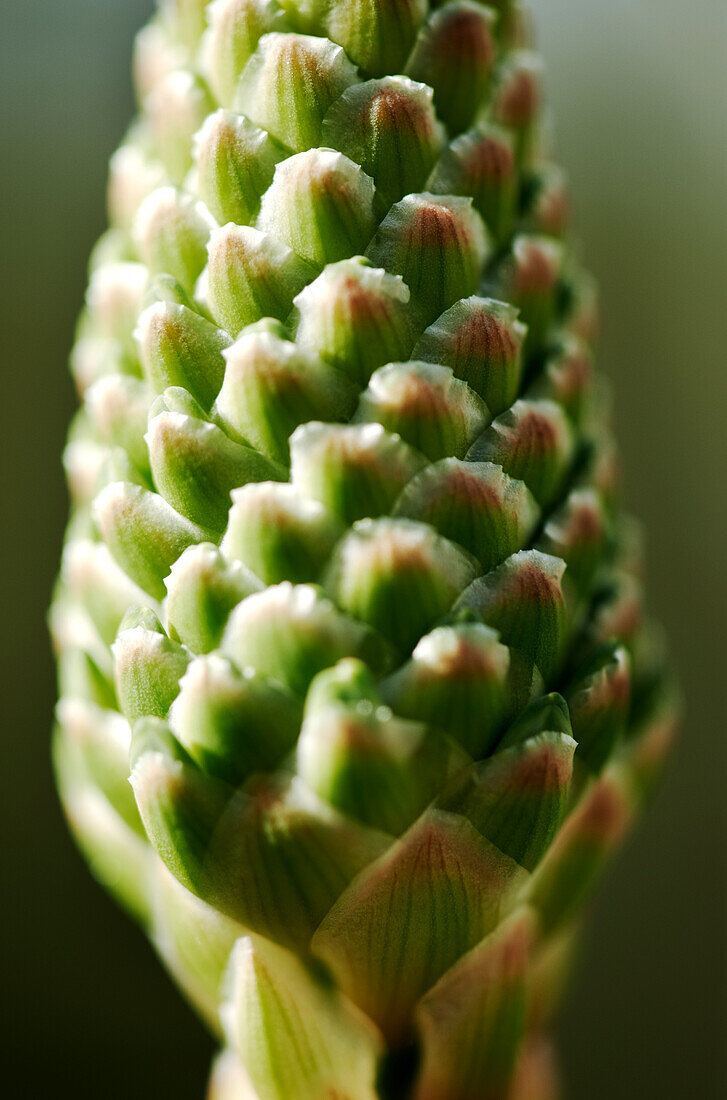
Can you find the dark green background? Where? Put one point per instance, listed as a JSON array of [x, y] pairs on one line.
[[639, 95]]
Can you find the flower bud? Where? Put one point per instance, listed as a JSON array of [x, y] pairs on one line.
[[235, 28], [235, 162], [203, 589]]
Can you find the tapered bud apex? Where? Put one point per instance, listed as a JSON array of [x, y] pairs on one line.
[[289, 83], [186, 19], [534, 442], [438, 244], [100, 739], [271, 387], [355, 317], [567, 378], [531, 278], [148, 666], [426, 405], [292, 632], [548, 203], [178, 347], [441, 865], [132, 176], [599, 706], [114, 298], [202, 590], [250, 275], [118, 408], [377, 37], [235, 162], [355, 470], [472, 1022], [457, 679], [578, 533], [518, 95], [331, 1051], [102, 589], [390, 128], [176, 108], [398, 576], [481, 340], [235, 28], [523, 599], [474, 504], [455, 54], [171, 232], [481, 163], [143, 532], [278, 534], [234, 723], [321, 205], [156, 54]]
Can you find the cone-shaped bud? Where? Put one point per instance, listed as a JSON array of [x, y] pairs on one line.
[[289, 83], [455, 54], [171, 232], [175, 110], [296, 1036], [250, 275], [235, 28], [321, 205], [144, 533], [517, 798], [532, 441], [427, 406], [99, 740], [390, 128], [441, 866], [471, 1023], [523, 599], [186, 20], [362, 759], [195, 942], [96, 582], [619, 610], [576, 858], [114, 297], [165, 288], [583, 317], [481, 163], [577, 533], [398, 576], [95, 357], [438, 244], [547, 714], [278, 534], [474, 504], [355, 470], [377, 37], [567, 378], [203, 589], [481, 340], [118, 408], [148, 666], [156, 53], [177, 347], [81, 677], [233, 723], [84, 464], [271, 387], [518, 95], [457, 679], [547, 205], [235, 162], [195, 465], [132, 176], [531, 278], [599, 706], [292, 632], [355, 317]]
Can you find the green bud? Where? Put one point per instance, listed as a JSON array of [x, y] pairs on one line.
[[390, 128], [235, 28], [132, 176], [118, 408], [175, 109], [114, 297], [547, 714], [250, 275], [455, 54], [148, 668], [355, 317], [481, 340], [517, 99], [202, 590], [438, 244], [599, 705], [171, 231], [532, 441], [82, 677], [289, 83], [531, 279], [577, 533], [481, 163], [235, 162], [376, 36], [144, 533], [271, 386], [177, 347], [156, 54], [233, 723], [397, 576], [186, 19], [355, 470], [568, 378], [427, 406], [548, 203], [321, 205], [474, 504], [97, 583]]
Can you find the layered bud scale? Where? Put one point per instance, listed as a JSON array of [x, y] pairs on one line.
[[357, 692]]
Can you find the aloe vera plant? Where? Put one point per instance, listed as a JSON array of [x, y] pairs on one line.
[[357, 695]]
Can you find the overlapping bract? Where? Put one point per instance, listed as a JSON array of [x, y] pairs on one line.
[[346, 593]]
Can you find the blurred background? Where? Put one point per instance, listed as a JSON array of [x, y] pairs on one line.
[[638, 90]]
